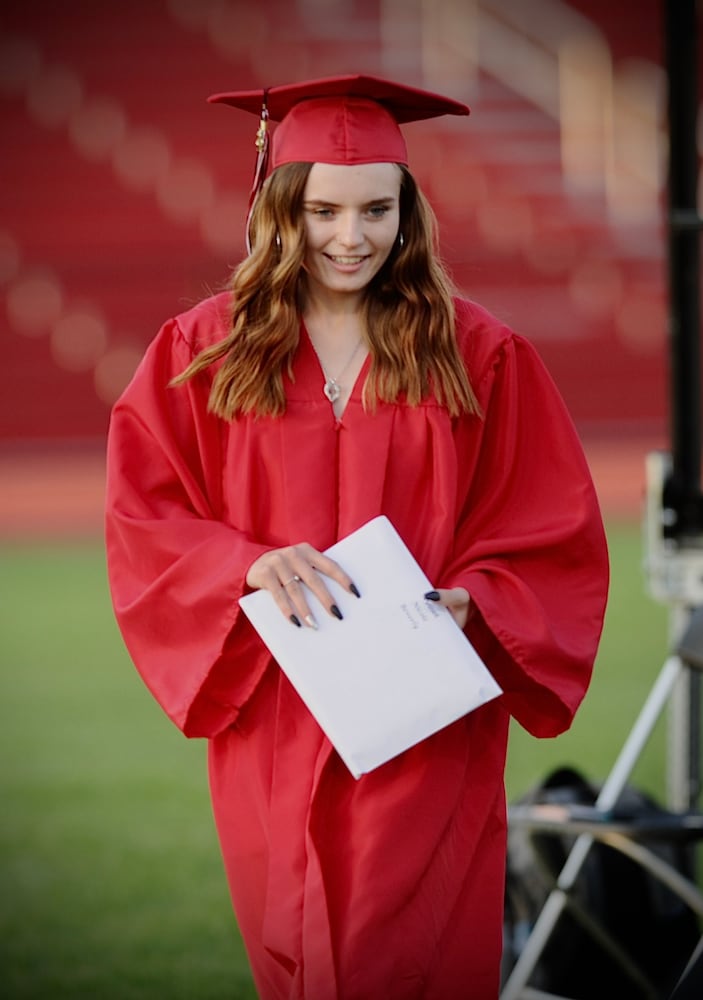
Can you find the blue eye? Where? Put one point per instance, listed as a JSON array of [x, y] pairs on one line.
[[378, 211]]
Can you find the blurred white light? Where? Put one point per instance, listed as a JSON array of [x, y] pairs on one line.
[[142, 158], [53, 96], [34, 303], [97, 127], [78, 339], [191, 13], [185, 190]]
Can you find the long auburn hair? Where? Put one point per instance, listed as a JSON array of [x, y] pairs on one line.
[[408, 312]]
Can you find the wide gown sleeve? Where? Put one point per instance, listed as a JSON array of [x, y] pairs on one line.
[[175, 570], [530, 546]]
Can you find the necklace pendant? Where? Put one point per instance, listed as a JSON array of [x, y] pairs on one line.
[[332, 390]]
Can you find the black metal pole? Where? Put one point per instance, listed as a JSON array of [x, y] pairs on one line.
[[682, 492]]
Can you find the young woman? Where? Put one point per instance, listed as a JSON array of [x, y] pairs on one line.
[[339, 380]]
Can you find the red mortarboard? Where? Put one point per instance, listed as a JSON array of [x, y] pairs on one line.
[[340, 119]]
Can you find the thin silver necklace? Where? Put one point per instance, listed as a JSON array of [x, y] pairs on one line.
[[332, 387]]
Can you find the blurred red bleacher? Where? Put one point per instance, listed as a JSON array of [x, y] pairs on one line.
[[123, 195]]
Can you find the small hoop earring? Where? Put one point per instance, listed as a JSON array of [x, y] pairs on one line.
[[278, 241], [401, 241]]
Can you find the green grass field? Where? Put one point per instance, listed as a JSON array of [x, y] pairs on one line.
[[111, 883]]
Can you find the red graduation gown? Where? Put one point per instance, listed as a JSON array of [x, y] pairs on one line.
[[391, 886]]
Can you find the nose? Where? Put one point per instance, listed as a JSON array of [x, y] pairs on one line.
[[350, 232]]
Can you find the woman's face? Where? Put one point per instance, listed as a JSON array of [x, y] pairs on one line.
[[352, 215]]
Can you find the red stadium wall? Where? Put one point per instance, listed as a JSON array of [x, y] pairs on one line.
[[123, 193]]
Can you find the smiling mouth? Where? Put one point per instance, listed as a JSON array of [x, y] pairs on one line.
[[346, 260]]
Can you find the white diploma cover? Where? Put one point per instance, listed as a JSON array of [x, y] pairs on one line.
[[396, 669]]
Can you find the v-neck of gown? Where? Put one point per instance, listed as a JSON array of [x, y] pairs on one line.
[[310, 378], [336, 453]]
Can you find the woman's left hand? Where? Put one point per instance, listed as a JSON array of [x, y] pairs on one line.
[[456, 600]]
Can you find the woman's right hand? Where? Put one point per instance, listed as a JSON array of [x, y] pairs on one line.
[[283, 572]]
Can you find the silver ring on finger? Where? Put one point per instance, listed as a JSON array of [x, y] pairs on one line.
[[293, 579]]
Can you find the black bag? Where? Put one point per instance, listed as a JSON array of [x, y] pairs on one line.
[[654, 927]]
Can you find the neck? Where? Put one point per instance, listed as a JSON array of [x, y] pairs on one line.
[[337, 329], [332, 307]]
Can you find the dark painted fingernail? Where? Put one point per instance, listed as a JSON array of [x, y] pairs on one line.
[[296, 620], [432, 595], [354, 590], [336, 612]]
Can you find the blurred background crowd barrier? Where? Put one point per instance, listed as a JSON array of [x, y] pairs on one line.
[[123, 193]]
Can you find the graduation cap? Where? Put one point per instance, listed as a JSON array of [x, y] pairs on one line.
[[340, 119]]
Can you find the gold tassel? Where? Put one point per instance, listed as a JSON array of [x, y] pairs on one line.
[[262, 160]]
